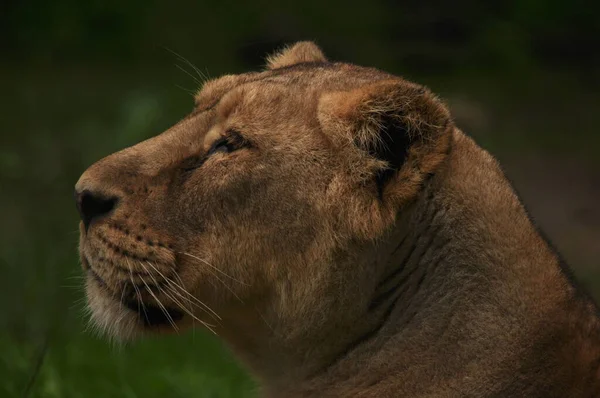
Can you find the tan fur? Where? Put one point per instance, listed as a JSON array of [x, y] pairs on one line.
[[329, 272], [301, 52]]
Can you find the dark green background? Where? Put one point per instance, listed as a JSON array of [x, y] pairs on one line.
[[81, 79]]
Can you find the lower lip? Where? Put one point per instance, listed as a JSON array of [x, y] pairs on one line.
[[154, 316]]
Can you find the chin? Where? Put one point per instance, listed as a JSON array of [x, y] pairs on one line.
[[126, 321]]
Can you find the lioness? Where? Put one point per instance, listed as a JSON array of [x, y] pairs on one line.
[[342, 235]]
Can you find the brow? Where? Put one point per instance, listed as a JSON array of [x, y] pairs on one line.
[[267, 76]]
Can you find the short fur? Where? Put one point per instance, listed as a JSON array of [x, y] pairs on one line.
[[344, 238]]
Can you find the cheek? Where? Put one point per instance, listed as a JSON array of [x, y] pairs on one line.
[[259, 203], [226, 185]]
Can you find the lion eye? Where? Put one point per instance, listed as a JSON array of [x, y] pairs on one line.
[[221, 145], [228, 143]]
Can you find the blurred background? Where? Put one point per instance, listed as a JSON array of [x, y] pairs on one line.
[[81, 79]]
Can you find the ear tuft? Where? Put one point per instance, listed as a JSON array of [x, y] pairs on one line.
[[301, 52]]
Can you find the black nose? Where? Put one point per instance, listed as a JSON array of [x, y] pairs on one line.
[[92, 206]]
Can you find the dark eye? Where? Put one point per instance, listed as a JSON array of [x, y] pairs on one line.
[[221, 145], [229, 143], [226, 144]]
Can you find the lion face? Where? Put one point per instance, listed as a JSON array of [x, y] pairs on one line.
[[246, 206]]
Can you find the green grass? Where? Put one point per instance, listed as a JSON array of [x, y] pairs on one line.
[[80, 365]]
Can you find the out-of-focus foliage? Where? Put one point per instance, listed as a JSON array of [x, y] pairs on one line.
[[81, 79], [433, 36]]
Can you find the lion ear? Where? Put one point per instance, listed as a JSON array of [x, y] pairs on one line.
[[400, 125], [303, 51]]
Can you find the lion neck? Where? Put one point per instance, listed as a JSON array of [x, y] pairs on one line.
[[348, 316], [435, 290]]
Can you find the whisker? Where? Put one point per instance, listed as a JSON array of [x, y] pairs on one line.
[[188, 311], [76, 277], [139, 294], [265, 320], [181, 284], [207, 325], [173, 283], [215, 268], [190, 92], [187, 61], [76, 287], [184, 300], [181, 306], [78, 304], [123, 292], [160, 304], [172, 286], [225, 284], [164, 277], [207, 74], [189, 74], [217, 277]]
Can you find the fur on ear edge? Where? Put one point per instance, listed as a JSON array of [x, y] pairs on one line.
[[396, 122], [300, 52]]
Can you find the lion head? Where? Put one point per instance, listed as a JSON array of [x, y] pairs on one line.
[[252, 216]]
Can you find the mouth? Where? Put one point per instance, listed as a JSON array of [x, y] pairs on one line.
[[151, 315]]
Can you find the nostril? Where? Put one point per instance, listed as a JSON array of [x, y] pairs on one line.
[[92, 206]]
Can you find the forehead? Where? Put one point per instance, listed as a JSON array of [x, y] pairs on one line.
[[297, 80]]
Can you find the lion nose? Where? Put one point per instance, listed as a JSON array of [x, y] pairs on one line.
[[92, 206]]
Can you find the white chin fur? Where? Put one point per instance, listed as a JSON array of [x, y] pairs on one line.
[[110, 317]]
